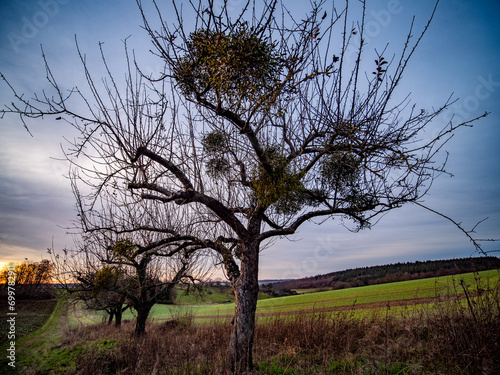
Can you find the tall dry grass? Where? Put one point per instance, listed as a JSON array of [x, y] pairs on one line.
[[459, 336]]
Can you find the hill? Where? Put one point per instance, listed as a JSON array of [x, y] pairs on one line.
[[388, 273]]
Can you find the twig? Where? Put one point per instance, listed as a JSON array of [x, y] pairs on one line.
[[459, 226]]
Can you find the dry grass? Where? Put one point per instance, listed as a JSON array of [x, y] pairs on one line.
[[456, 337]]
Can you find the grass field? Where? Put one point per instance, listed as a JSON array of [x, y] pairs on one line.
[[444, 334], [31, 316], [395, 295]]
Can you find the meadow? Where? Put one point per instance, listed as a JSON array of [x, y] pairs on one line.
[[398, 295], [447, 325]]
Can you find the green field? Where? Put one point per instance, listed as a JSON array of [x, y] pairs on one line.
[[364, 338], [404, 293], [31, 316]]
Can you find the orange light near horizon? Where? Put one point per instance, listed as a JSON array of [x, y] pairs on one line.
[[6, 263]]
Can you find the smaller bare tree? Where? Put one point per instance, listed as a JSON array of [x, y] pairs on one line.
[[91, 282], [123, 262], [102, 290], [151, 279]]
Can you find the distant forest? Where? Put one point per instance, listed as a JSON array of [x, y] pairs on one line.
[[389, 273]]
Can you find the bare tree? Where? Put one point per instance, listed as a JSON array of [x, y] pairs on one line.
[[122, 261], [33, 279], [154, 279], [259, 124], [104, 290], [153, 245], [98, 286]]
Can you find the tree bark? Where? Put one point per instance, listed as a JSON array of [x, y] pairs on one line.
[[140, 324], [246, 289], [118, 317], [110, 318]]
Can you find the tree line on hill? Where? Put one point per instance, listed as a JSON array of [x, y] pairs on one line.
[[388, 273]]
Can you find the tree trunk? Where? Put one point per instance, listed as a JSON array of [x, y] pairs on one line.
[[142, 317], [246, 289], [118, 317], [142, 306], [110, 318]]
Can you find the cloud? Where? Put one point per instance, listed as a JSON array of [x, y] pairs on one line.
[[35, 198]]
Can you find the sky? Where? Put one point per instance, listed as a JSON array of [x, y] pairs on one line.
[[459, 55]]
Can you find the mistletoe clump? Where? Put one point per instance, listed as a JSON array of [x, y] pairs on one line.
[[105, 278], [280, 186], [215, 145], [125, 249], [239, 65]]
